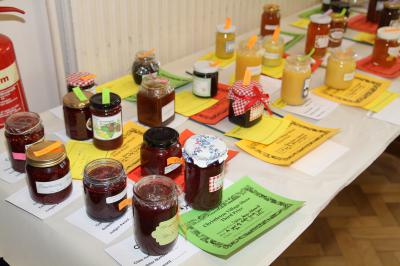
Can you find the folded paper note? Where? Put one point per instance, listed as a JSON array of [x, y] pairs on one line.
[[188, 104]]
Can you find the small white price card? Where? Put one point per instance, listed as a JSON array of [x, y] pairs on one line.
[[7, 173]]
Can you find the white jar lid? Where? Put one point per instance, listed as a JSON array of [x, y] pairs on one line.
[[204, 67], [221, 28], [320, 19], [389, 33]]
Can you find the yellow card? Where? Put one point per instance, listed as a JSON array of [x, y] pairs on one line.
[[188, 104], [364, 37], [266, 131], [223, 62], [301, 23], [124, 86], [274, 72], [279, 103], [382, 101], [363, 90], [298, 140]]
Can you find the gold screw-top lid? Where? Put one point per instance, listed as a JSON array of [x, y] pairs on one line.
[[337, 17], [71, 100], [48, 159], [392, 4], [271, 7]]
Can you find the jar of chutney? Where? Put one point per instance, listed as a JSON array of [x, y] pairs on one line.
[[22, 129], [83, 80], [205, 79], [390, 13], [375, 8], [145, 64], [337, 29], [205, 157]]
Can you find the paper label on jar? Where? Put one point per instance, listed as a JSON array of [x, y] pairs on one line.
[[202, 86], [117, 197], [215, 183], [268, 55], [326, 2], [379, 5], [172, 164], [256, 112], [336, 34], [107, 128], [166, 232], [393, 51], [229, 47], [255, 70], [306, 87], [321, 41], [270, 27], [19, 156], [167, 111], [348, 76], [54, 186]]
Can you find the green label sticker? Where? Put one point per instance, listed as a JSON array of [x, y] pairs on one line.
[[79, 94], [105, 96], [167, 231]]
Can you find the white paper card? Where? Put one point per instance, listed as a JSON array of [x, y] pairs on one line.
[[286, 38], [320, 158], [7, 173], [127, 252], [58, 112], [390, 113], [270, 85], [23, 200]]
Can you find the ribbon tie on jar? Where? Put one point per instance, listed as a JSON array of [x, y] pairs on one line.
[[257, 97]]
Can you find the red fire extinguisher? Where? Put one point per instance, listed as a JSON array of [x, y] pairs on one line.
[[12, 95]]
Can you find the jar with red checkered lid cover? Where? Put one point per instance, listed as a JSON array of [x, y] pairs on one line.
[[83, 80]]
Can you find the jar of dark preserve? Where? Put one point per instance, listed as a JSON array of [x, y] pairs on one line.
[[104, 187], [338, 6], [375, 8], [106, 122], [145, 64], [155, 208], [77, 116], [326, 4], [270, 19], [390, 13], [205, 79], [22, 129], [205, 157], [83, 80], [155, 102], [49, 179], [161, 152]]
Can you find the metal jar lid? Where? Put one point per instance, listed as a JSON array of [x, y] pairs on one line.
[[49, 159], [392, 5], [271, 8], [71, 100], [161, 137], [96, 101]]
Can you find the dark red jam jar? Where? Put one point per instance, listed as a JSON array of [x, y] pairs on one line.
[[106, 122], [22, 130], [49, 179], [83, 80], [104, 187], [161, 152], [155, 214], [205, 157], [77, 116]]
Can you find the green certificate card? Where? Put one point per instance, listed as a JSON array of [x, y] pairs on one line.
[[246, 211]]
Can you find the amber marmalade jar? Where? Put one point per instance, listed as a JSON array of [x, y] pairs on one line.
[[48, 175], [336, 32], [155, 102], [270, 19], [106, 122], [77, 116], [83, 80], [144, 64], [205, 157], [161, 152], [386, 47], [22, 130], [391, 12], [318, 35]]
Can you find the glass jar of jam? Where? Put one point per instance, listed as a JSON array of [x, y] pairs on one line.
[[336, 32], [205, 157], [161, 152], [318, 35], [375, 8], [77, 116], [390, 13], [49, 179], [240, 98], [145, 64], [155, 214], [340, 69], [296, 80], [155, 102], [104, 187], [83, 80], [22, 129], [225, 41], [205, 79], [248, 58], [270, 19], [274, 51], [106, 122], [386, 47]]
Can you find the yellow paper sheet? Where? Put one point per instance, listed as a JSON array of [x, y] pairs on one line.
[[301, 23], [223, 62], [187, 104], [382, 101], [279, 103], [298, 140], [363, 90], [124, 86], [266, 131], [274, 72], [364, 37]]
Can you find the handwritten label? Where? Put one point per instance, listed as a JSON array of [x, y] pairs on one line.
[[167, 231], [54, 186]]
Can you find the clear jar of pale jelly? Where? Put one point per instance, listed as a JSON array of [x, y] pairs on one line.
[[274, 51], [340, 69], [248, 58], [225, 42]]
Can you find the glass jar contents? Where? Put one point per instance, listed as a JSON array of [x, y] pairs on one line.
[[336, 32], [270, 19], [375, 8], [205, 157], [390, 13], [225, 41], [83, 80], [386, 47], [296, 80], [161, 152], [274, 51], [340, 69], [48, 176], [248, 58], [205, 79], [338, 6], [318, 35], [155, 208], [240, 96], [145, 64], [155, 102], [104, 187], [22, 129], [326, 4], [106, 122], [77, 116]]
